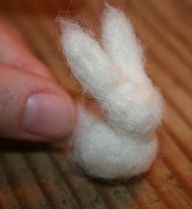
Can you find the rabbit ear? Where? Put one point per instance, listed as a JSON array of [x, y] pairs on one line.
[[121, 44], [109, 85], [88, 62]]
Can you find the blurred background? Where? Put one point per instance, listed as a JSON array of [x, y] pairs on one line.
[[38, 178]]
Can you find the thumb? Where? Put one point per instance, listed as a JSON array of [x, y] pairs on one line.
[[32, 107]]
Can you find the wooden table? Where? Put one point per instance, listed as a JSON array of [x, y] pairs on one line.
[[32, 177]]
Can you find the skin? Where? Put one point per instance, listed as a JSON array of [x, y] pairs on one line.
[[32, 105]]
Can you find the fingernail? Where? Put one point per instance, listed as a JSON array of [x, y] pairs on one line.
[[48, 115]]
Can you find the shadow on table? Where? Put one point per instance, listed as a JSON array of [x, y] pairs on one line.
[[23, 146]]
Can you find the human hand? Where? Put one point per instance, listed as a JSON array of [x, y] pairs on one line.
[[32, 105]]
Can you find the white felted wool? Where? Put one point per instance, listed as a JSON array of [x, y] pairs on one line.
[[120, 42], [123, 144], [102, 152]]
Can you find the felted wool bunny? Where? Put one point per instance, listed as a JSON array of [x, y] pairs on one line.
[[123, 142]]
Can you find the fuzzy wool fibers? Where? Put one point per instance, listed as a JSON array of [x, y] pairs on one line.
[[123, 143]]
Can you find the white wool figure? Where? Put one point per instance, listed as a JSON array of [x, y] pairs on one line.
[[122, 144]]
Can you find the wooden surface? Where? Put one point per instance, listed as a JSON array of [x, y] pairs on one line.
[[38, 179]]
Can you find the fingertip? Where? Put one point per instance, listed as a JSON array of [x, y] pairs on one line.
[[36, 109], [48, 115]]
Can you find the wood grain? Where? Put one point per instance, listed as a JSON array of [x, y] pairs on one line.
[[44, 179]]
